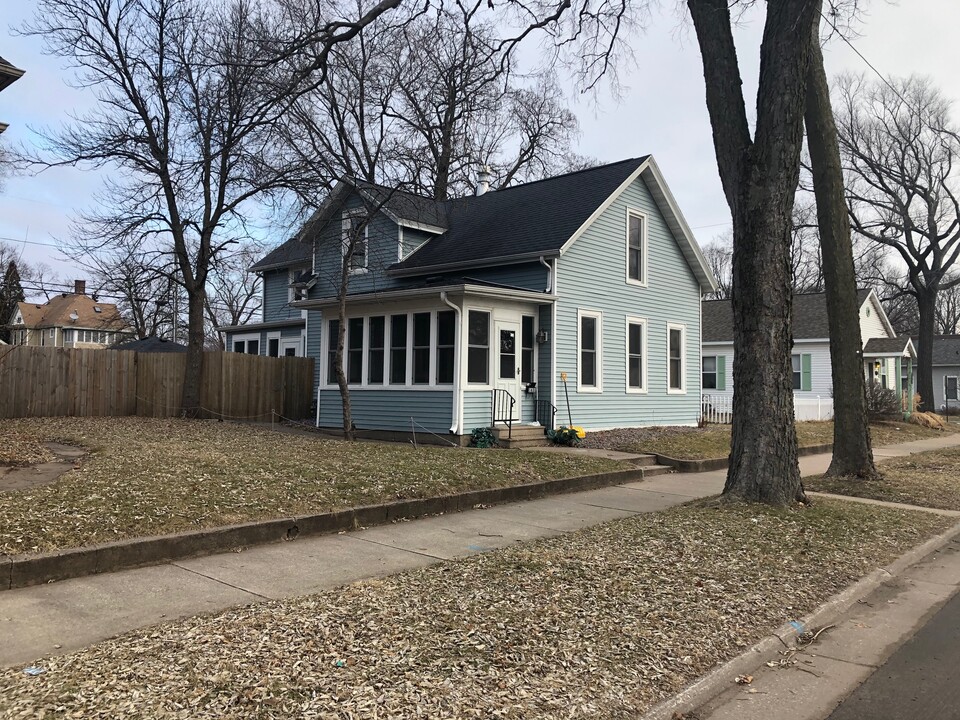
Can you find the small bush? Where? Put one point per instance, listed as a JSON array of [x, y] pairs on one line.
[[881, 401], [566, 435], [482, 437]]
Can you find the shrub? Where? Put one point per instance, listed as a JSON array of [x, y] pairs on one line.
[[881, 401], [566, 435], [482, 437]]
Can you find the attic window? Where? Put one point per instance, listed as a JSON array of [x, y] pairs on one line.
[[96, 309], [868, 312]]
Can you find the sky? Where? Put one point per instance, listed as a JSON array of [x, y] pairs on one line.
[[660, 110]]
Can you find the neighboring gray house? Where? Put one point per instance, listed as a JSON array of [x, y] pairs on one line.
[[466, 312], [887, 359], [946, 371]]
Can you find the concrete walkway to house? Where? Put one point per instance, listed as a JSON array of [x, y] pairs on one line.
[[67, 615]]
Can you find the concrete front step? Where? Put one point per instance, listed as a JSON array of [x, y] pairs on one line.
[[519, 432], [521, 443], [654, 470]]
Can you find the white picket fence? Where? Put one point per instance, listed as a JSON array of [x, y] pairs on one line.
[[717, 409]]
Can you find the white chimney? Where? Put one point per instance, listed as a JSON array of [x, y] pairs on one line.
[[484, 179]]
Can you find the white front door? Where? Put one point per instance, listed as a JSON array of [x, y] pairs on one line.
[[508, 361]]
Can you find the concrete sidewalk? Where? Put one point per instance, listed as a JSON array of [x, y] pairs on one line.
[[67, 615]]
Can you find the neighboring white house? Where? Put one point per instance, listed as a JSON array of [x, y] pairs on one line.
[[887, 358], [946, 373]]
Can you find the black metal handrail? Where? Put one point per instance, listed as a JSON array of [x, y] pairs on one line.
[[546, 413], [503, 403]]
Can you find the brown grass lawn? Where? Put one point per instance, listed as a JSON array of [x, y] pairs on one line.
[[930, 479], [146, 477], [713, 441]]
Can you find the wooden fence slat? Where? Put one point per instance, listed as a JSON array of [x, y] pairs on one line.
[[48, 381]]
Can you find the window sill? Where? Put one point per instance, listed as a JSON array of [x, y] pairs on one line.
[[637, 391], [590, 390], [676, 391], [637, 283]]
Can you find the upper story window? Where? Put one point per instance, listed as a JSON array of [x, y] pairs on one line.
[[355, 240], [636, 248]]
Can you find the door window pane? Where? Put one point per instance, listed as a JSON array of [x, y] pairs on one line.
[[508, 354]]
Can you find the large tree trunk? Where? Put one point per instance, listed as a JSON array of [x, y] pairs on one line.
[[193, 375], [341, 373], [759, 179], [852, 452], [927, 304]]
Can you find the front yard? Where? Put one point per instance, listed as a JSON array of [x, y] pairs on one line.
[[713, 441], [601, 623], [930, 479], [147, 477]]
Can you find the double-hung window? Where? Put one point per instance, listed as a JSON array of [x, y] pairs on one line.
[[802, 375], [589, 351], [709, 376], [676, 358], [355, 241], [636, 355], [478, 347], [636, 248]]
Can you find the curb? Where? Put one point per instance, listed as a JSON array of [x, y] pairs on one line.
[[718, 680], [695, 466], [17, 571]]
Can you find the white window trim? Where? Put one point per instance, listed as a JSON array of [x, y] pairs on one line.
[[273, 335], [590, 389], [245, 339], [291, 276], [800, 372], [644, 387], [408, 384], [295, 342], [682, 390], [945, 385], [644, 244], [491, 358], [534, 355], [346, 227]]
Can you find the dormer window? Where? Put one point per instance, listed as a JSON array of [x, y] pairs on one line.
[[636, 248], [354, 239]]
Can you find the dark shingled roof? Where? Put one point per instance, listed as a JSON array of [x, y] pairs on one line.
[[8, 74], [892, 346], [406, 206], [809, 317], [151, 344], [294, 251], [537, 217], [946, 349]]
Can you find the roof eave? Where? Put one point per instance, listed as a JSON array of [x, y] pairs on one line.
[[460, 288], [395, 271], [279, 265]]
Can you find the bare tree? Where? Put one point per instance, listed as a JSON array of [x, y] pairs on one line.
[[187, 95], [719, 256], [233, 295], [899, 147]]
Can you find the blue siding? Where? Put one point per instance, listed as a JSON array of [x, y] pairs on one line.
[[390, 410], [530, 276], [477, 409], [383, 238], [592, 276], [314, 330], [276, 294], [413, 239], [544, 371]]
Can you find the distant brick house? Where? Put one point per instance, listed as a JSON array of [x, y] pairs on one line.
[[73, 320]]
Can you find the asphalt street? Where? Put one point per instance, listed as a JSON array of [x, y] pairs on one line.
[[920, 680]]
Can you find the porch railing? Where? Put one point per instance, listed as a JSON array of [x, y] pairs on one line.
[[717, 409], [546, 413], [503, 403]]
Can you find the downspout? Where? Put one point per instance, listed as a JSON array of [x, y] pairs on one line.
[[458, 361], [554, 336], [549, 274]]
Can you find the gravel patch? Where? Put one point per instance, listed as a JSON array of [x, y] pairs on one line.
[[596, 624], [147, 477]]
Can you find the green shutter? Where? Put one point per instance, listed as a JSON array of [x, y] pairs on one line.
[[899, 385], [805, 372], [721, 372]]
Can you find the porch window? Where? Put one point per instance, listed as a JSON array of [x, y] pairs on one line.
[[273, 347], [709, 379], [67, 336], [333, 336], [376, 328], [421, 348], [249, 344], [355, 350], [398, 349], [478, 347], [636, 375], [590, 343], [676, 358], [446, 336], [526, 349]]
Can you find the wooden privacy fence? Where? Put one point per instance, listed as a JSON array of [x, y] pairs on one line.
[[43, 382]]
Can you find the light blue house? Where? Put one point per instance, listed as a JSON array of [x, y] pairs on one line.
[[470, 312]]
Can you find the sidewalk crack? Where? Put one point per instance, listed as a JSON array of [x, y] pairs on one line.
[[222, 582]]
